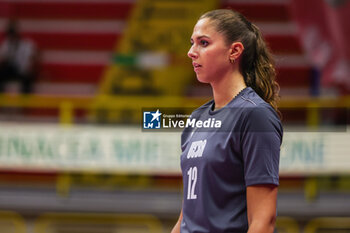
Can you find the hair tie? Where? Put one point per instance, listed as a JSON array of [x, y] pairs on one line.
[[250, 26]]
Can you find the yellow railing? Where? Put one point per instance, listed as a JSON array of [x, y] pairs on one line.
[[287, 225], [67, 105], [67, 222], [11, 222], [328, 225]]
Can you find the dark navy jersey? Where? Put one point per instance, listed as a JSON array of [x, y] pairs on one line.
[[219, 163]]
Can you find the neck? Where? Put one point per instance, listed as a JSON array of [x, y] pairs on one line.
[[225, 89]]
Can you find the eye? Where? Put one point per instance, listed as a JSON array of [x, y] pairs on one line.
[[204, 43]]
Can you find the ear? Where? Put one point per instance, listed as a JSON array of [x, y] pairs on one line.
[[236, 50]]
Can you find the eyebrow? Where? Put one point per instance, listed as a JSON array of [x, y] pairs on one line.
[[200, 37]]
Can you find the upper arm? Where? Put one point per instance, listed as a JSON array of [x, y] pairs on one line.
[[260, 146], [261, 204]]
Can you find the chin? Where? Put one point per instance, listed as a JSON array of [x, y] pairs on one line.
[[202, 79]]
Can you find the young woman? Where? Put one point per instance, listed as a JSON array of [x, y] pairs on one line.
[[230, 174]]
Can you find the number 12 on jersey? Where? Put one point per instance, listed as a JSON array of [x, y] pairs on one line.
[[192, 180]]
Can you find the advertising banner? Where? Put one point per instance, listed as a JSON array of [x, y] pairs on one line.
[[132, 150]]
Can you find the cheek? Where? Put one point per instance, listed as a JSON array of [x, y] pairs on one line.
[[216, 60], [216, 55]]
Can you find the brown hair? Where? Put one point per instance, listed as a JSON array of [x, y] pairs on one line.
[[257, 65]]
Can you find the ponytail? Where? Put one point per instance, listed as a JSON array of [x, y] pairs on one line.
[[260, 73]]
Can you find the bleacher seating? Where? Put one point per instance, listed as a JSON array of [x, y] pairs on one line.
[[76, 39]]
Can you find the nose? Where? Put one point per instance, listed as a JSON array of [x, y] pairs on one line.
[[192, 54]]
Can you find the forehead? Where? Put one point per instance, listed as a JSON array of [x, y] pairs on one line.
[[204, 27]]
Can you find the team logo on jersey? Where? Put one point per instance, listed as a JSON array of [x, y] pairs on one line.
[[151, 120], [196, 149]]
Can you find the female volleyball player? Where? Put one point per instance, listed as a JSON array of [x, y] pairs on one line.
[[230, 173]]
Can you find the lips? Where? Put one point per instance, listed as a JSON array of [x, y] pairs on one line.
[[196, 65]]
